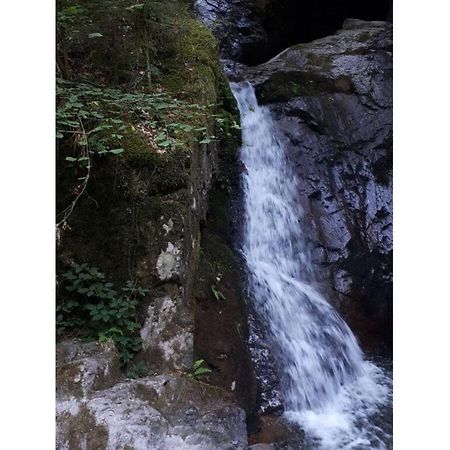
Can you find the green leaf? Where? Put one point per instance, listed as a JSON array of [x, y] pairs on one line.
[[69, 123], [202, 371], [217, 294], [95, 35], [101, 127], [166, 143], [116, 151], [198, 363], [135, 7], [70, 159]]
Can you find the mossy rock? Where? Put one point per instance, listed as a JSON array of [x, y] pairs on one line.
[[194, 70], [285, 85]]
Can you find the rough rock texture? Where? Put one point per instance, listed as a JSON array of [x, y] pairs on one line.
[[166, 337], [161, 413], [253, 31], [140, 220], [274, 432], [83, 367], [238, 26], [221, 331], [332, 100]]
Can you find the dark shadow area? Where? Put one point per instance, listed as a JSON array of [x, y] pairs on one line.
[[289, 22]]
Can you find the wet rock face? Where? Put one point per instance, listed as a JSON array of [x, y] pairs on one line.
[[238, 26], [253, 31], [161, 412], [332, 101]]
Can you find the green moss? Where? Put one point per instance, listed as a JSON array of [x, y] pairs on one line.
[[194, 69], [228, 130], [136, 148], [166, 173], [163, 172], [282, 86], [127, 194]]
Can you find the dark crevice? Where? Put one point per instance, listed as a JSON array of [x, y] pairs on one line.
[[290, 22]]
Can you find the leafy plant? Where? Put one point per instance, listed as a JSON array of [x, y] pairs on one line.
[[217, 294], [110, 111], [198, 370], [92, 122], [101, 311]]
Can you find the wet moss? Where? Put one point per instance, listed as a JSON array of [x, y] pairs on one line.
[[283, 86]]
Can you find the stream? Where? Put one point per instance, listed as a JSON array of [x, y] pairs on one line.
[[337, 396]]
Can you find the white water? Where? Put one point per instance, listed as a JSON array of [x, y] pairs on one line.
[[328, 387]]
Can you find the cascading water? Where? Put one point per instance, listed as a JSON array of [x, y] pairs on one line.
[[327, 386]]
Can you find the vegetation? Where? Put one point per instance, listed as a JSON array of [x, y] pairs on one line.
[[138, 90], [138, 370], [97, 311], [198, 370], [217, 294], [136, 79]]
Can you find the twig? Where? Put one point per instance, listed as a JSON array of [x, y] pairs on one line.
[[68, 211]]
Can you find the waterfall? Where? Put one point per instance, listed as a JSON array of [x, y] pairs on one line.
[[328, 387]]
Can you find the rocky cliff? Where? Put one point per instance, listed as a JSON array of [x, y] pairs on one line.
[[332, 100], [147, 134]]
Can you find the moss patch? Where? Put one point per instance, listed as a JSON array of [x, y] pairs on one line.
[[283, 86], [194, 71]]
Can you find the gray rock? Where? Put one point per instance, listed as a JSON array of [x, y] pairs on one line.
[[332, 100], [167, 339], [84, 367], [238, 26], [161, 413], [169, 261], [261, 447]]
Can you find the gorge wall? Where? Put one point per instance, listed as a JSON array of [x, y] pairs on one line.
[[251, 32], [147, 285], [332, 98], [164, 213]]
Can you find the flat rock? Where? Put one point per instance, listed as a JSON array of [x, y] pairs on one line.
[[95, 411]]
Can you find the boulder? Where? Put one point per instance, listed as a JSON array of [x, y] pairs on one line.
[[167, 339], [84, 367], [161, 412]]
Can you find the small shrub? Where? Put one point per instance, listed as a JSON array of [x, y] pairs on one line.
[[95, 307]]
